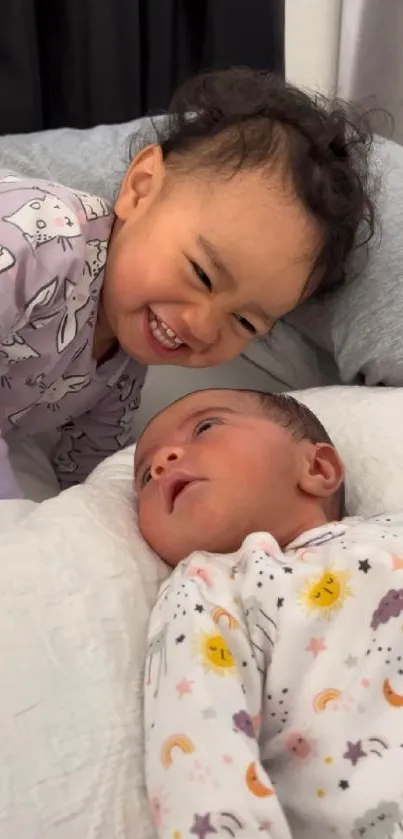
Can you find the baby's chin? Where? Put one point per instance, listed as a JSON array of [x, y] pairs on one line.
[[204, 526], [174, 551]]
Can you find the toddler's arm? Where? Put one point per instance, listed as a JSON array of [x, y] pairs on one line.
[[40, 240], [203, 694], [107, 428], [8, 485]]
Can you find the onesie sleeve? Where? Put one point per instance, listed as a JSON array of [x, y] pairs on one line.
[[203, 693]]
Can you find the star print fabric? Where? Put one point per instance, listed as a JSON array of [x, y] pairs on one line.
[[274, 688], [53, 247]]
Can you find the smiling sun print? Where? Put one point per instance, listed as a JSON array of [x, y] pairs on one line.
[[325, 593], [214, 654]]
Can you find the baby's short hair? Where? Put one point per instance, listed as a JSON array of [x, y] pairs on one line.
[[303, 425]]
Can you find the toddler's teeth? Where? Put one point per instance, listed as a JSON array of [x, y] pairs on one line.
[[163, 333]]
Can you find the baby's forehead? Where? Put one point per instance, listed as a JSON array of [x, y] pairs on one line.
[[190, 407]]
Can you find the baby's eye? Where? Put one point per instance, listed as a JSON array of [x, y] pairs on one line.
[[246, 324], [146, 478], [204, 425], [202, 275]]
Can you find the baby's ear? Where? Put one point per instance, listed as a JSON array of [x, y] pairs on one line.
[[143, 180], [322, 470]]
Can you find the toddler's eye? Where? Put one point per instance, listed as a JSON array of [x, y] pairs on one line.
[[246, 324], [146, 478], [202, 275]]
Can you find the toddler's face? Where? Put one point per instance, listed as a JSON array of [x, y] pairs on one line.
[[211, 469], [197, 267]]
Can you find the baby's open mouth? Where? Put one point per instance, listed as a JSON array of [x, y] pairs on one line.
[[175, 487], [163, 333]]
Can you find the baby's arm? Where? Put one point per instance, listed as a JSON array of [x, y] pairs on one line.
[[203, 694]]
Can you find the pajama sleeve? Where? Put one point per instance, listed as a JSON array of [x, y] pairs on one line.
[[93, 436], [203, 692], [28, 282], [8, 485]]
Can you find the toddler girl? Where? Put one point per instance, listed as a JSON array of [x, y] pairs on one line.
[[251, 201]]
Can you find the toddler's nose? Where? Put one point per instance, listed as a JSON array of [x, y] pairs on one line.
[[203, 325], [163, 459]]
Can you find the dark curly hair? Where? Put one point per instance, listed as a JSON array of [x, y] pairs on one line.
[[242, 118]]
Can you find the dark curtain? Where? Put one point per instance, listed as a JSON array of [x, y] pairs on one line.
[[83, 62]]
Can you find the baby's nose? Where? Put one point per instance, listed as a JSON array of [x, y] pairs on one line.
[[163, 459]]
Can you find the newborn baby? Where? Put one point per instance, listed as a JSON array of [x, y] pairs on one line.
[[274, 673]]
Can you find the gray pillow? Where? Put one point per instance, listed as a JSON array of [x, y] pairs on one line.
[[93, 160], [362, 324], [357, 335]]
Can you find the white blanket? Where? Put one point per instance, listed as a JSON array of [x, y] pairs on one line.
[[76, 588]]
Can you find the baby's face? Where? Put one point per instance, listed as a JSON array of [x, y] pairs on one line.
[[211, 469]]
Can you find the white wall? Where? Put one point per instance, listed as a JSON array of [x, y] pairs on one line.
[[312, 29]]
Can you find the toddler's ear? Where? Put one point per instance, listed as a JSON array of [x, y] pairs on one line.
[[322, 470], [142, 181]]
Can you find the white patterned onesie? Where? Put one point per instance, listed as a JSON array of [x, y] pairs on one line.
[[274, 689]]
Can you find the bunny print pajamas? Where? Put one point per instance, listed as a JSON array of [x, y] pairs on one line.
[[53, 245]]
